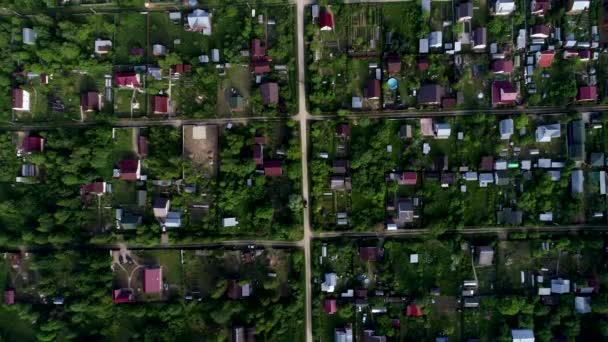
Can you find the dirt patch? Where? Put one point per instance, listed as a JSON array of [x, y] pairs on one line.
[[201, 147]]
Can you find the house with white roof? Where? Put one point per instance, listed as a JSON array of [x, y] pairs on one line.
[[560, 286], [504, 7], [329, 285], [506, 129], [29, 36], [442, 130], [200, 21], [522, 335], [577, 6], [545, 133]]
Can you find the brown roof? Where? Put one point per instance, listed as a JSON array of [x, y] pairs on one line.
[[487, 163], [270, 93], [257, 48], [89, 101], [393, 64], [430, 94], [373, 89], [371, 253]]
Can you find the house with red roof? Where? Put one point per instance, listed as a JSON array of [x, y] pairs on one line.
[[371, 253], [32, 144], [120, 296], [413, 310], [153, 280], [126, 80], [372, 92], [270, 93], [503, 93], [258, 154], [540, 7], [343, 131], [260, 65], [502, 66], [97, 188], [326, 20], [21, 99], [161, 104], [130, 169], [584, 55], [236, 291], [136, 52], [89, 101], [273, 168], [257, 48], [180, 69], [544, 59], [330, 306], [9, 297], [393, 64], [540, 31], [408, 178], [587, 93]]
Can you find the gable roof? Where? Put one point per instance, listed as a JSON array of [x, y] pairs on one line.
[[200, 21], [393, 64], [502, 66], [129, 169], [587, 93], [544, 59], [503, 92], [326, 20], [89, 101], [371, 253], [122, 296], [32, 144], [373, 89], [257, 48], [330, 306], [153, 280], [161, 104], [413, 310], [430, 94], [270, 93], [126, 79], [273, 168]]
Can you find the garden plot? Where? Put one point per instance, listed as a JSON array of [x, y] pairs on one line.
[[201, 147]]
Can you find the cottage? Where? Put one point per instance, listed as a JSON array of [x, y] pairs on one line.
[[426, 127], [577, 179], [408, 178], [485, 255], [480, 39], [502, 66], [596, 159], [540, 31], [413, 310], [273, 168], [582, 305], [371, 253], [153, 279], [508, 216], [405, 212], [96, 188], [560, 286], [229, 222], [442, 130], [159, 50], [587, 93], [430, 94], [180, 69], [258, 49], [161, 104], [32, 144], [161, 207], [330, 306], [343, 131], [544, 59], [270, 93], [258, 154], [393, 64], [340, 166], [576, 6], [343, 335], [368, 336], [130, 169], [326, 20], [330, 282], [545, 133], [465, 11], [260, 65], [436, 39], [540, 7], [9, 297], [236, 291], [506, 129], [503, 93], [485, 179], [372, 91], [120, 296], [504, 7], [21, 99], [89, 101], [200, 21], [447, 179], [103, 46], [487, 163], [576, 140], [126, 80]]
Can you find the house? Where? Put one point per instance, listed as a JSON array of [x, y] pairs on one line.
[[343, 131], [258, 154], [103, 46], [582, 305], [153, 279], [260, 65], [408, 178], [442, 130], [508, 216], [522, 335], [97, 188], [587, 93], [161, 207], [480, 38], [576, 140], [32, 144], [447, 179], [270, 93], [126, 80], [464, 11], [368, 336], [503, 93], [540, 7], [584, 55], [430, 94], [273, 168], [340, 166], [127, 221], [502, 66], [436, 39], [485, 179], [426, 127], [504, 7], [9, 297], [29, 36], [330, 306], [21, 99], [329, 285], [371, 253], [596, 159], [200, 21], [560, 286], [136, 52], [130, 169], [540, 31], [120, 296], [393, 64], [544, 59], [485, 255], [257, 48], [405, 212], [545, 133], [423, 64], [326, 20], [236, 291], [236, 103], [142, 146], [413, 310], [576, 6], [577, 179], [180, 69], [372, 91], [343, 335], [506, 129], [161, 104], [89, 101]]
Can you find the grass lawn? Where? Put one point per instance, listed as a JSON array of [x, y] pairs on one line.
[[239, 78], [479, 205], [512, 258], [130, 33], [123, 100], [123, 193]]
